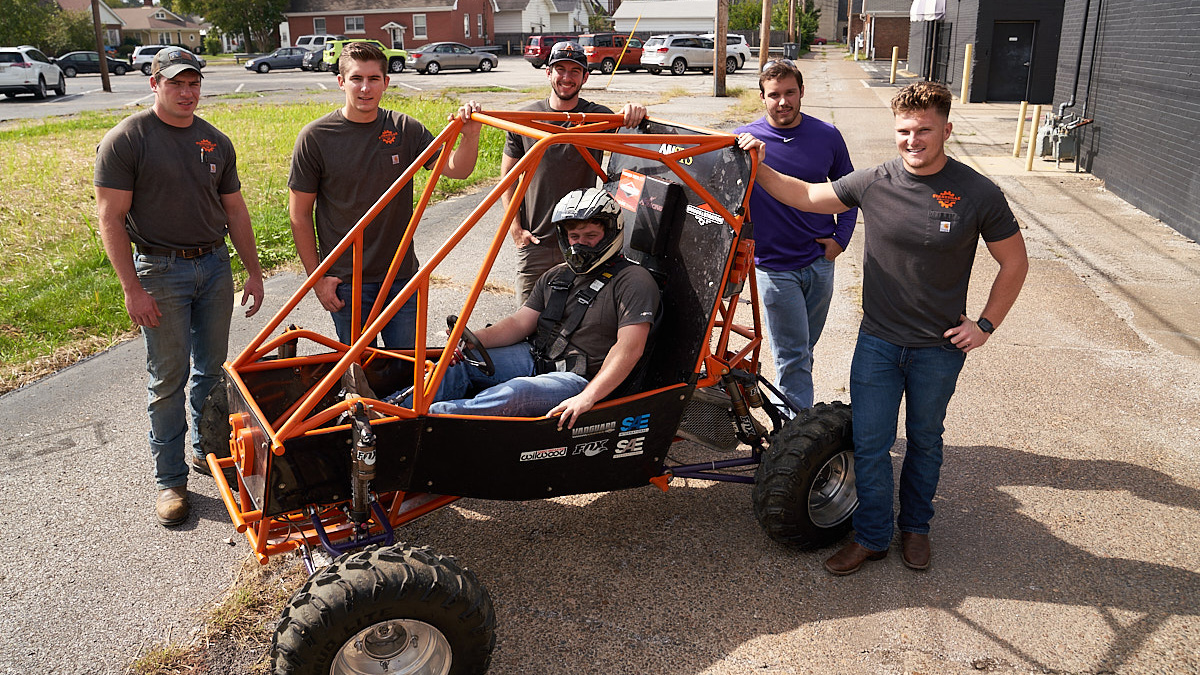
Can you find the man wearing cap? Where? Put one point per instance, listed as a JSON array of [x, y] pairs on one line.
[[167, 185], [794, 250], [561, 170], [342, 163]]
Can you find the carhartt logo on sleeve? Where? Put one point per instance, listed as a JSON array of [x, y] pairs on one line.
[[388, 137], [947, 199]]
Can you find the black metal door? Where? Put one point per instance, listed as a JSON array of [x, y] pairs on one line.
[[939, 51], [1011, 60]]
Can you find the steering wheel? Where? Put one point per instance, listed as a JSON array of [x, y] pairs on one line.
[[473, 350]]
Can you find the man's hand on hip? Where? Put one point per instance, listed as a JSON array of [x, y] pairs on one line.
[[326, 290], [832, 248]]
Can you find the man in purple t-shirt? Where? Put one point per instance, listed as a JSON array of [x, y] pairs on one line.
[[794, 250]]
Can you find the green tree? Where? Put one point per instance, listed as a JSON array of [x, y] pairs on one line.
[[25, 22], [747, 15], [70, 31], [258, 20]]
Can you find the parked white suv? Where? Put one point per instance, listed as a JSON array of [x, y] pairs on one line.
[[737, 52], [25, 70], [143, 57], [677, 53], [316, 42]]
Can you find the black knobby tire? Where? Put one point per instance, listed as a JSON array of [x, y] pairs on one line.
[[804, 488], [215, 429], [393, 591]]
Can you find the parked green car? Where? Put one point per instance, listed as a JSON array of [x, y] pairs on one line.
[[397, 58]]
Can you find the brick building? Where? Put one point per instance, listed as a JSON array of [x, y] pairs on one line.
[[406, 24], [883, 24], [1137, 80]]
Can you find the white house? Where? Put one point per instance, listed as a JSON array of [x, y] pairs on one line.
[[525, 17], [666, 16]]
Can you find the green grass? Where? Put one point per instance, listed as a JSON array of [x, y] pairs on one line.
[[59, 298]]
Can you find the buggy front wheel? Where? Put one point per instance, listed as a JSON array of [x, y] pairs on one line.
[[804, 487], [396, 610]]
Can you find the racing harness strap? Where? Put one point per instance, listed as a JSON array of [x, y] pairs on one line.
[[554, 332]]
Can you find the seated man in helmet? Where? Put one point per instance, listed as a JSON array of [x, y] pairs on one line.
[[579, 334]]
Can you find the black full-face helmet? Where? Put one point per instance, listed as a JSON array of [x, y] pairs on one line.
[[590, 204]]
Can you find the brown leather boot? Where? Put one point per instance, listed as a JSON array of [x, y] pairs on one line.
[[915, 550], [172, 506], [851, 558]]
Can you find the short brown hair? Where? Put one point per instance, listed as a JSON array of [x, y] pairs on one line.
[[777, 70], [921, 96], [361, 52]]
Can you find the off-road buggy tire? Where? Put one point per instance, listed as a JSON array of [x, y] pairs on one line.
[[365, 589], [214, 427], [804, 488]]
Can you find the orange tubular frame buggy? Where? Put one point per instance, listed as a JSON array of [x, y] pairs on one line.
[[324, 458]]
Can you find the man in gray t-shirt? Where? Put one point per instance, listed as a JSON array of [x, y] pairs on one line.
[[342, 164], [923, 214], [167, 184], [562, 169]]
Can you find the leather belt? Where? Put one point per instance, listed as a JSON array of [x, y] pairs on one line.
[[185, 253]]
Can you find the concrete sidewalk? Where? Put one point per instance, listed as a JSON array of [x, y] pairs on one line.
[[1068, 530]]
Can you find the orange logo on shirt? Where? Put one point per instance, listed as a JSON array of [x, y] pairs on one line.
[[206, 145], [947, 199], [388, 137]]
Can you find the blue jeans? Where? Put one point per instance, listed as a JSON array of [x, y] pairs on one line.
[[797, 303], [195, 297], [880, 374], [399, 333], [513, 391]]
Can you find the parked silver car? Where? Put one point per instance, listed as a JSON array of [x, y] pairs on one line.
[[677, 53], [438, 56], [737, 52]]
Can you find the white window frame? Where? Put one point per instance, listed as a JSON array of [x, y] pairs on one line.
[[420, 28], [479, 25], [319, 25], [359, 23], [466, 26]]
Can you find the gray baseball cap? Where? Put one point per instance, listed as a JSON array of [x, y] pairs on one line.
[[171, 61]]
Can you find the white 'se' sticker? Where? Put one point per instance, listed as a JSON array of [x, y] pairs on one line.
[[945, 226]]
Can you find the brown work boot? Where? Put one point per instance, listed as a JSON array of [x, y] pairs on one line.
[[851, 558], [172, 506], [915, 550]]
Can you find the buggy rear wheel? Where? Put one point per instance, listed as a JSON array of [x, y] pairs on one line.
[[394, 609], [804, 488]]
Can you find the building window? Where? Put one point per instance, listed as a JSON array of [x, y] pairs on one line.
[[319, 25], [466, 26], [355, 24], [419, 27], [479, 25], [164, 38]]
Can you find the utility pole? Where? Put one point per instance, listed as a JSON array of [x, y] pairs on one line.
[[764, 38], [100, 47], [721, 47], [792, 21]]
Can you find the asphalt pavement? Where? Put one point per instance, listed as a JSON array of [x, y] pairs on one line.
[[1067, 535]]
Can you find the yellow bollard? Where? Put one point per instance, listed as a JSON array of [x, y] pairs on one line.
[[895, 60], [1033, 129], [966, 81], [1020, 129]]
